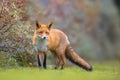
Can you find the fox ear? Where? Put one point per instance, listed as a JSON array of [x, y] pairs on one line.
[[37, 25], [49, 25]]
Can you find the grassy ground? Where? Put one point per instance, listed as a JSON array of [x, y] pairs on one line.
[[101, 72]]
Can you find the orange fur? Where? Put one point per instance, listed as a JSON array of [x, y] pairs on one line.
[[45, 38]]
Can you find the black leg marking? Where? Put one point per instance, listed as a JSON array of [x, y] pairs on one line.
[[44, 62], [39, 63]]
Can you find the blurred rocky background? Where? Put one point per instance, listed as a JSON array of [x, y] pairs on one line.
[[93, 28]]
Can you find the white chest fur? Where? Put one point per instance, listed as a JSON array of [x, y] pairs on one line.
[[41, 45]]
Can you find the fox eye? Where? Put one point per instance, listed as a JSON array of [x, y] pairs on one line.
[[40, 32], [47, 32]]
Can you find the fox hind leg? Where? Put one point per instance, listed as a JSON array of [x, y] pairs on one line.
[[63, 60], [57, 62]]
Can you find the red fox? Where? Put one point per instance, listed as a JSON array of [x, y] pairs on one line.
[[45, 38]]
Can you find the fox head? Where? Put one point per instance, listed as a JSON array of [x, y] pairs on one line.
[[43, 31]]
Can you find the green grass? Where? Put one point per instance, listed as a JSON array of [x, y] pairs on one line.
[[100, 72]]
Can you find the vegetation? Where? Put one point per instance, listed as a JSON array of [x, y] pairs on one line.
[[15, 34], [101, 71]]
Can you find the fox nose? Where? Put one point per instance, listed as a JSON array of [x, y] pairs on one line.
[[44, 37]]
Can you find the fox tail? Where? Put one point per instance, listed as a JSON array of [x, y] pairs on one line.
[[76, 59]]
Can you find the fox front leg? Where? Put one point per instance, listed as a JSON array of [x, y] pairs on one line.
[[40, 59], [44, 62], [39, 62]]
